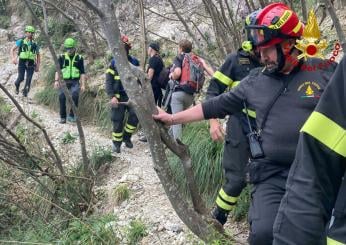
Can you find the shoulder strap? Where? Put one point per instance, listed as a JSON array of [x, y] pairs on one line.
[[270, 105]]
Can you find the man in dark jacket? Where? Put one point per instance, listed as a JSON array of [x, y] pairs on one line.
[[122, 130], [316, 183], [283, 96], [236, 153]]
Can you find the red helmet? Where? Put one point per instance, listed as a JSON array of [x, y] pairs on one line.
[[125, 39], [275, 23]]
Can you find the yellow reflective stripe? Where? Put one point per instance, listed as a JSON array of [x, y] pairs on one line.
[[117, 96], [223, 205], [116, 77], [130, 126], [251, 113], [234, 84], [331, 241], [327, 132], [297, 28], [285, 16], [111, 71], [117, 136], [226, 197], [223, 78]]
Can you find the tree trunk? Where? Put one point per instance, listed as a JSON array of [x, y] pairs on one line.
[[145, 108], [304, 10], [143, 36], [336, 23]]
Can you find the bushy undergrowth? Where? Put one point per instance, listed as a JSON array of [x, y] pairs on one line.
[[206, 161], [206, 158]]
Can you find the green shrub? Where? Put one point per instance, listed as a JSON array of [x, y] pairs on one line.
[[93, 230], [206, 161], [68, 138], [241, 209], [206, 158], [48, 96], [121, 193], [100, 156], [136, 232]]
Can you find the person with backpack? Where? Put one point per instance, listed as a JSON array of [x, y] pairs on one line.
[[236, 148], [122, 129], [188, 70], [73, 75], [283, 96], [26, 54]]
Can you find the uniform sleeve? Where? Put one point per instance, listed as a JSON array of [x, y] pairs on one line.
[[226, 103], [61, 61], [81, 65], [318, 169], [221, 78], [109, 82]]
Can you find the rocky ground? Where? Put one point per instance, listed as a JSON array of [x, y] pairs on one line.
[[132, 167]]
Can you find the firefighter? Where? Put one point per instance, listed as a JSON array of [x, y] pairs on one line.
[[236, 154], [122, 129], [283, 96], [73, 73], [29, 59], [317, 183]]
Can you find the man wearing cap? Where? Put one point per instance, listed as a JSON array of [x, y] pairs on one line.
[[154, 69], [29, 59], [72, 68], [283, 96]]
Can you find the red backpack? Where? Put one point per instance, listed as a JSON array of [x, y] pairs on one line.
[[192, 72]]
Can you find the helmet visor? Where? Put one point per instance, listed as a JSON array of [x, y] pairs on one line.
[[260, 35]]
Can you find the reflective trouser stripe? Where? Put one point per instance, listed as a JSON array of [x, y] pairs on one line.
[[226, 197], [117, 136], [129, 128], [234, 84], [222, 78], [331, 241], [225, 201], [251, 113], [109, 70], [327, 132]]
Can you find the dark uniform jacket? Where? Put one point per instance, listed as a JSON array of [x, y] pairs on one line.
[[298, 93], [236, 66], [316, 174], [114, 87]]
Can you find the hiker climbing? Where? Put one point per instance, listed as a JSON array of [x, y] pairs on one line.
[[236, 150], [188, 72], [26, 54], [122, 129], [73, 76]]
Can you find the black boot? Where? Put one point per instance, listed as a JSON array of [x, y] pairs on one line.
[[116, 146], [220, 215], [127, 140]]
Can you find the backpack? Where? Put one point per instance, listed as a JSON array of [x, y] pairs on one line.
[[163, 77], [192, 72]]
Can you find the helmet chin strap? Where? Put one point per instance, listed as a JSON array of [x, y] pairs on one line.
[[281, 59]]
